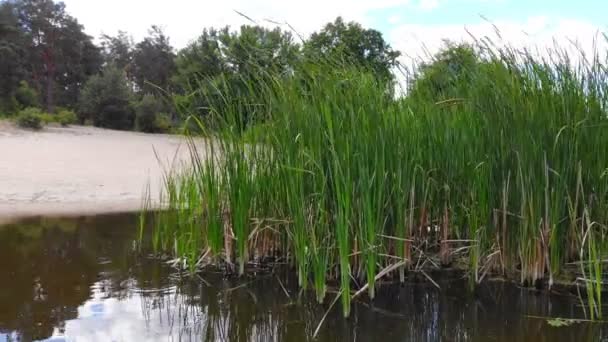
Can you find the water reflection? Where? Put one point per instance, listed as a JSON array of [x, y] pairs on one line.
[[83, 280]]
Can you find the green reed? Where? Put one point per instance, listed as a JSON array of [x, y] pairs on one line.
[[324, 169]]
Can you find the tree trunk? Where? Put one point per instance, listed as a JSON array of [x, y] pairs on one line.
[[50, 78], [49, 94]]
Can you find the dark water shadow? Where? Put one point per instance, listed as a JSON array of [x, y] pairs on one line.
[[84, 279]]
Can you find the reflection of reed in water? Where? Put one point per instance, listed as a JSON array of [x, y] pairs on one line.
[[232, 310], [266, 309], [88, 276]]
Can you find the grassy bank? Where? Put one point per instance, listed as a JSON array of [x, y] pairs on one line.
[[505, 171]]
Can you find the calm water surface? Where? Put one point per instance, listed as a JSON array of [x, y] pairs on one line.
[[82, 279]]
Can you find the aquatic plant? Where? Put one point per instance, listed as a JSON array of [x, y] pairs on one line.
[[504, 173]]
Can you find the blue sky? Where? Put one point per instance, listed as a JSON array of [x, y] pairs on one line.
[[469, 11], [406, 24]]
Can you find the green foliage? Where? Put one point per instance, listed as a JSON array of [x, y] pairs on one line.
[[255, 48], [56, 65], [153, 62], [453, 69], [46, 118], [223, 59], [164, 124], [26, 96], [66, 117], [30, 118], [365, 47], [350, 185], [233, 61], [8, 105], [148, 116], [201, 59], [106, 100], [12, 49], [118, 50]]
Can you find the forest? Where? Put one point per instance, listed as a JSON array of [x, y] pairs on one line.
[[52, 70]]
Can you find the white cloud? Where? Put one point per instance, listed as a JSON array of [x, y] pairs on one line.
[[537, 33], [428, 5], [183, 20], [394, 19]]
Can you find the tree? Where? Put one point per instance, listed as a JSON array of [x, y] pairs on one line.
[[231, 59], [201, 59], [106, 100], [242, 52], [153, 62], [12, 51], [59, 54], [365, 47], [79, 59], [118, 50], [452, 69], [255, 48], [148, 116]]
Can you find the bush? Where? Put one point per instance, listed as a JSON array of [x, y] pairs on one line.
[[105, 100], [148, 117], [8, 106], [30, 118], [46, 118], [26, 96], [66, 117], [163, 123]]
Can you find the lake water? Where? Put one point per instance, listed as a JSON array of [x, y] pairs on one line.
[[83, 279]]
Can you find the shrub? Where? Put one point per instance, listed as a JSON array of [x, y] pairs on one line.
[[46, 118], [163, 123], [66, 117], [30, 118], [8, 106], [26, 96], [63, 117], [105, 100], [148, 117]]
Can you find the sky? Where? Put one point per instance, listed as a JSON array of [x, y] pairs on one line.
[[415, 27]]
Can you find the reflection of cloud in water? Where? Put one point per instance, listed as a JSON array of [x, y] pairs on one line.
[[11, 336], [126, 319], [58, 338]]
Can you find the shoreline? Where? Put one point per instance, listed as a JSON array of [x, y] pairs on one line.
[[82, 170], [10, 213]]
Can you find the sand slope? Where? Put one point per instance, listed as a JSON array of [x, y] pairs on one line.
[[74, 170]]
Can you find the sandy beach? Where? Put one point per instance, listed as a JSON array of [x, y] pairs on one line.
[[81, 170]]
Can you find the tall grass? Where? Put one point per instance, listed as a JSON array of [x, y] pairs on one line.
[[344, 181]]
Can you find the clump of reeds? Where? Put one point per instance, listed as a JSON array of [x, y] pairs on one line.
[[347, 183]]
